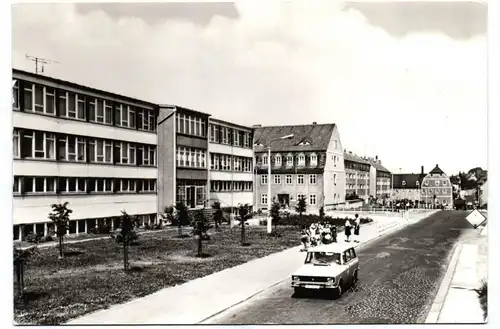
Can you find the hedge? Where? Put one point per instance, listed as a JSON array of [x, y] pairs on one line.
[[306, 220]]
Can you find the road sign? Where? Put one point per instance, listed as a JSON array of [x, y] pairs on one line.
[[476, 218]]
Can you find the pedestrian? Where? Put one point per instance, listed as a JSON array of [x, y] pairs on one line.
[[305, 239], [347, 230], [333, 233], [357, 224]]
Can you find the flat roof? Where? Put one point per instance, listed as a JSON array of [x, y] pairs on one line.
[[215, 120]]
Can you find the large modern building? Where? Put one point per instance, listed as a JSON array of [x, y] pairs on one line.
[[91, 148], [230, 148], [203, 160], [310, 164], [382, 178], [437, 189]]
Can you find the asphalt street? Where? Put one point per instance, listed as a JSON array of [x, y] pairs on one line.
[[400, 275]]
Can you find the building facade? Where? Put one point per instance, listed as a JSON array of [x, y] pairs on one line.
[[382, 178], [230, 148], [407, 186], [94, 149], [357, 176], [309, 165], [183, 157], [436, 189]]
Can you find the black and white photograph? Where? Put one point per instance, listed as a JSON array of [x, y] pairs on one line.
[[248, 163]]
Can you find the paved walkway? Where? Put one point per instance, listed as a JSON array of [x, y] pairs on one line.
[[200, 299], [457, 301]]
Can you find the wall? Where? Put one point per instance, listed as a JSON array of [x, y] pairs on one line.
[[332, 190], [166, 159], [35, 209]]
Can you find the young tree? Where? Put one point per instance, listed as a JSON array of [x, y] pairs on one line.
[[60, 216], [218, 214], [182, 215], [200, 227], [21, 257], [275, 213], [126, 235], [301, 208], [244, 216]]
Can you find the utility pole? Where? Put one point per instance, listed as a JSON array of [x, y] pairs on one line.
[[39, 63]]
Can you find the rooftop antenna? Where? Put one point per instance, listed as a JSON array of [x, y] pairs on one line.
[[39, 63]]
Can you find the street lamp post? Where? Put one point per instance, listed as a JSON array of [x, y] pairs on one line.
[[269, 218]]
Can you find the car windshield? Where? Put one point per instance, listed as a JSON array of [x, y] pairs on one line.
[[323, 258]]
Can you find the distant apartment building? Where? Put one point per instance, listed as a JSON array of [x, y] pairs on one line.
[[94, 149], [357, 176], [231, 166], [382, 178], [436, 189], [309, 165]]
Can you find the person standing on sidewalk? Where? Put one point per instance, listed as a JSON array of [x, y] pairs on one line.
[[333, 233], [357, 224], [347, 230]]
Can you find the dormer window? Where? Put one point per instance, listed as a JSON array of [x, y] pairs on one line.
[[304, 143], [403, 183], [314, 160], [289, 160], [436, 182], [301, 160], [426, 183], [258, 144], [264, 159], [277, 160]]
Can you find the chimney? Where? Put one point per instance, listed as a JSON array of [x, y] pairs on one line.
[[256, 126], [422, 170], [315, 123], [376, 157]]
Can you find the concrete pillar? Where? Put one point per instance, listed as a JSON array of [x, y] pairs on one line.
[[34, 229], [112, 224], [86, 226], [45, 229], [20, 233]]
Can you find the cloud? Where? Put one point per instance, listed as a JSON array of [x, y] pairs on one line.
[[415, 100]]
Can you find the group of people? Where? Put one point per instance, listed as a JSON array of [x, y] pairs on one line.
[[325, 233]]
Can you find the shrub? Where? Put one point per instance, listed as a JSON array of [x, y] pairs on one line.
[[482, 293], [101, 229], [34, 238], [47, 238], [263, 222]]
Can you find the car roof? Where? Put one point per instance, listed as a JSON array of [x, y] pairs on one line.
[[332, 247]]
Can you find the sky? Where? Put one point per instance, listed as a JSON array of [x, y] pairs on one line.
[[404, 81]]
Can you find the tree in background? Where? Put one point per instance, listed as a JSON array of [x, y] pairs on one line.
[[244, 215], [126, 235], [200, 228], [182, 215], [218, 216], [21, 257], [168, 214], [60, 216], [275, 213], [301, 208]]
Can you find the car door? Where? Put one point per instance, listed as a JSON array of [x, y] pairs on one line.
[[355, 260], [346, 259]]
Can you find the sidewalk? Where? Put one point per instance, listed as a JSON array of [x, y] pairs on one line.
[[457, 300], [200, 299]]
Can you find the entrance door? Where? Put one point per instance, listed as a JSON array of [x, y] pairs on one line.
[[200, 195], [284, 200], [190, 197]]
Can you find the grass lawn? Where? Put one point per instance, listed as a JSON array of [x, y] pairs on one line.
[[91, 275]]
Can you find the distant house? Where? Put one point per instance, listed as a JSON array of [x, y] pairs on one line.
[[408, 186], [436, 189]]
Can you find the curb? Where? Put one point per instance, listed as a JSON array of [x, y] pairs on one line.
[[393, 228], [437, 306]]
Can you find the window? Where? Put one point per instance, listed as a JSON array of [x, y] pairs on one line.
[[15, 94], [334, 144], [312, 179], [125, 153], [300, 179], [314, 160], [312, 199], [100, 185], [38, 99], [246, 140], [80, 106], [247, 164], [301, 196], [148, 153], [37, 144], [288, 179], [72, 185], [277, 160], [127, 185], [15, 144], [334, 179], [444, 182], [264, 160], [39, 184], [16, 185], [277, 179], [100, 151], [211, 132], [147, 185], [334, 160], [146, 120], [263, 198], [263, 179], [301, 160], [72, 148], [190, 157], [236, 138], [214, 161], [289, 160]]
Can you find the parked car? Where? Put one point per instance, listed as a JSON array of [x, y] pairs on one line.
[[332, 267]]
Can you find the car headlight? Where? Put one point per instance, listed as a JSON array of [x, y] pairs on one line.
[[295, 278], [330, 280]]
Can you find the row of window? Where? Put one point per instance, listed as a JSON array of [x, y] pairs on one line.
[[229, 136], [226, 162], [312, 200], [356, 187], [41, 184], [289, 181], [228, 186], [356, 166], [42, 99], [191, 125], [191, 157], [288, 159], [356, 175], [432, 191], [31, 144], [436, 182]]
